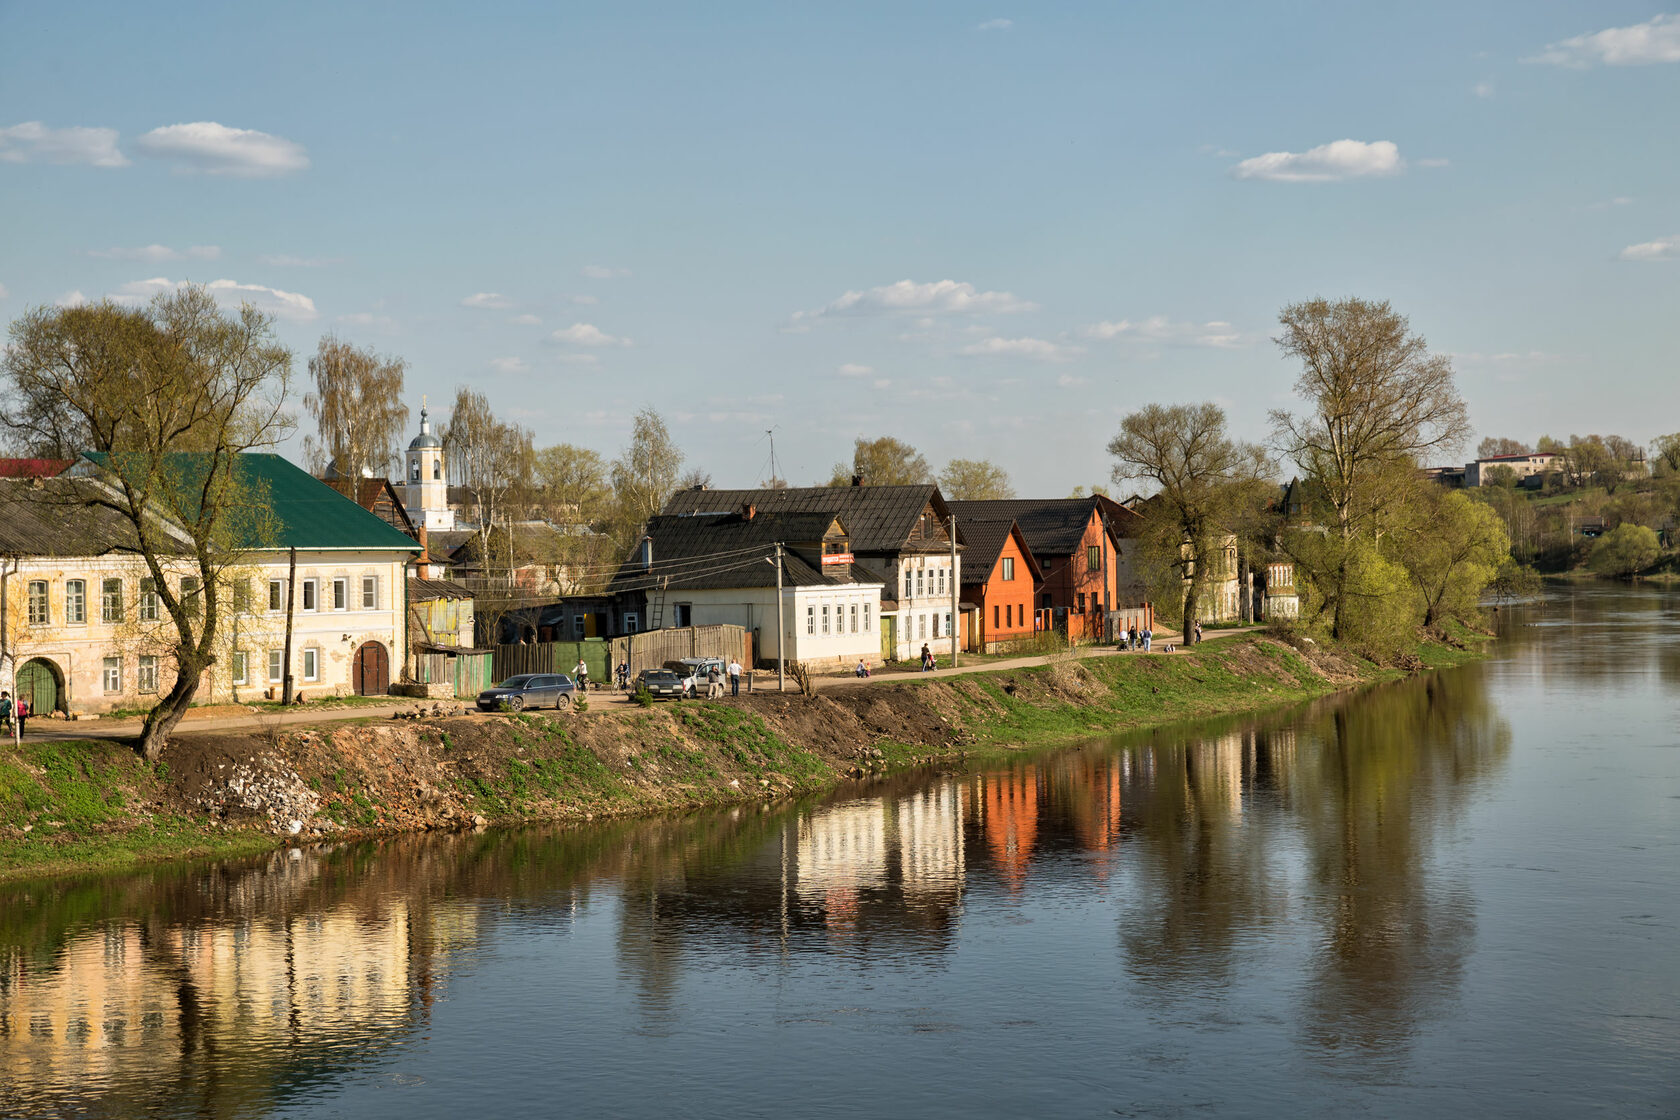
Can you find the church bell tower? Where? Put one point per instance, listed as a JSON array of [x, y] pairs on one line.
[[425, 483]]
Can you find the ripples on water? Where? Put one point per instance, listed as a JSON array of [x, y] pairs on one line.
[[1448, 894]]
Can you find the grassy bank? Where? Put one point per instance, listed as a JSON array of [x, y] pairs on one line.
[[95, 806]]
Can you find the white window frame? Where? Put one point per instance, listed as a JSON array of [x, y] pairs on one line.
[[919, 572], [907, 582], [111, 603], [810, 618], [239, 667], [1009, 567], [579, 625], [311, 595], [110, 675], [922, 626], [949, 632], [192, 596], [148, 602], [825, 619], [370, 593], [40, 605], [276, 665], [632, 622], [75, 602], [311, 663], [866, 621], [854, 618], [341, 593], [146, 674], [276, 596]]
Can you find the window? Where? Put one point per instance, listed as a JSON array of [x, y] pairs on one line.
[[370, 593], [39, 613], [111, 601], [907, 583], [276, 594], [1079, 607], [918, 582], [189, 595], [414, 470], [922, 625], [854, 618], [577, 626], [948, 630], [113, 674], [825, 618], [1093, 556], [866, 618], [437, 468], [632, 622], [147, 677], [276, 664], [148, 600], [311, 664], [936, 626], [1009, 567], [75, 600], [942, 581], [1009, 614], [995, 612], [341, 594], [242, 596], [810, 620], [237, 668], [308, 587]]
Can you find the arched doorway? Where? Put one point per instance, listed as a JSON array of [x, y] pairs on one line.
[[370, 670], [42, 685]]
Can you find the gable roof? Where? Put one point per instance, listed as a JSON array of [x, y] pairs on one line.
[[1050, 526], [878, 518], [986, 541], [308, 513], [727, 550], [54, 518], [34, 468]]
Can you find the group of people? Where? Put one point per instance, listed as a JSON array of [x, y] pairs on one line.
[[1132, 638], [14, 714]]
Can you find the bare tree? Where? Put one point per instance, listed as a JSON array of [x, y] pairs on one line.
[[167, 399], [1494, 446], [883, 462], [1376, 398], [644, 476], [975, 480], [493, 461], [1205, 483], [358, 409]]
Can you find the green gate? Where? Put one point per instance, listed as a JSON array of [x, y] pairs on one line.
[[37, 683]]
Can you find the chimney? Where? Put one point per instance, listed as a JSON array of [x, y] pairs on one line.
[[857, 479], [748, 511], [425, 553]]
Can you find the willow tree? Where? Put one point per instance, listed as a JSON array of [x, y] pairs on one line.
[[357, 407], [1377, 401], [643, 477], [1205, 483], [165, 399]]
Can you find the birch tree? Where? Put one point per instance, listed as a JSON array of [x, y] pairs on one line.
[[357, 407]]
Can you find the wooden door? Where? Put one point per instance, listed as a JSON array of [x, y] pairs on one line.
[[370, 670], [37, 683]]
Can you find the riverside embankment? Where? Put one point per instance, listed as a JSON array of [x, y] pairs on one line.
[[86, 805]]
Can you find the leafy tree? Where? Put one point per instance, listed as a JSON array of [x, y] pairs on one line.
[[1624, 550], [975, 480], [1514, 580], [493, 462], [1495, 446], [883, 462], [571, 484], [1666, 450], [1378, 402], [1452, 549], [358, 409], [1548, 445], [1205, 480], [1501, 476], [1586, 459], [643, 477], [169, 397]]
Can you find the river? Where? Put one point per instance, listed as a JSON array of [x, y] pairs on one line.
[[1454, 895]]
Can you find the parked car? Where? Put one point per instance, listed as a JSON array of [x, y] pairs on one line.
[[662, 683], [693, 671], [529, 690]]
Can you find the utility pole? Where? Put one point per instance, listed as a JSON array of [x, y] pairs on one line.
[[956, 617], [286, 669], [781, 628]]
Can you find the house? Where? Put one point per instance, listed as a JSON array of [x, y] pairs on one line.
[[701, 569], [1084, 549], [1000, 580], [82, 621], [1525, 465], [900, 538]]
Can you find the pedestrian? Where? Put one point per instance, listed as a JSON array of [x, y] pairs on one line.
[[1198, 629], [927, 658], [862, 670], [734, 677], [1132, 637], [5, 712], [22, 715], [1147, 635], [714, 682], [581, 674]]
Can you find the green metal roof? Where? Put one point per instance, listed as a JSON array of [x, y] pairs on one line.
[[310, 513]]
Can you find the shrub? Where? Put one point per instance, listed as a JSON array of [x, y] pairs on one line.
[[642, 696], [1624, 550]]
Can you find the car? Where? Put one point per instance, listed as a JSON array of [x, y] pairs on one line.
[[528, 690], [693, 671], [662, 683]]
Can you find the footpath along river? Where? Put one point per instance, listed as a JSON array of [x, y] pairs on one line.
[[1457, 895]]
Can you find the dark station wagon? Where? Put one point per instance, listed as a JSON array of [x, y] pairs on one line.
[[528, 690]]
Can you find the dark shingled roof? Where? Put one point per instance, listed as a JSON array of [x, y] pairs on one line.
[[727, 550], [1051, 526], [425, 590], [55, 519], [985, 541], [878, 518]]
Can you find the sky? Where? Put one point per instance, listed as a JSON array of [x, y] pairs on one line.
[[990, 230]]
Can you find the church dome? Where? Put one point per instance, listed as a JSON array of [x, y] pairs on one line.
[[425, 440]]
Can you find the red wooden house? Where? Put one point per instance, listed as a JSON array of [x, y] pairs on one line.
[[1000, 581]]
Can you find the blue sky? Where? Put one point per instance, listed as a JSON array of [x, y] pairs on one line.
[[990, 230]]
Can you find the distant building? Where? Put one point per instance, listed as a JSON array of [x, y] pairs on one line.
[[1521, 466]]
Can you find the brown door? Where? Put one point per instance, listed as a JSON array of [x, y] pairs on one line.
[[370, 671]]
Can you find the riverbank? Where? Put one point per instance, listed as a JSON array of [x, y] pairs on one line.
[[84, 805]]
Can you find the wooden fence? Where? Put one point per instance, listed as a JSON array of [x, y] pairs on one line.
[[655, 647], [467, 673], [553, 657]]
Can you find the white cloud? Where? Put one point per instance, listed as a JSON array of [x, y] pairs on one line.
[[852, 369], [1159, 329], [587, 334], [1482, 89], [271, 301], [34, 142], [1655, 40], [1040, 349], [153, 254], [937, 297], [217, 149], [285, 260], [1340, 159], [526, 320], [1662, 249], [602, 272], [509, 365], [494, 301], [70, 299], [996, 25]]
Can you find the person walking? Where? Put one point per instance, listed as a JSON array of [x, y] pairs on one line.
[[927, 658], [734, 677], [5, 712], [1132, 637], [1147, 635], [22, 715], [1198, 630]]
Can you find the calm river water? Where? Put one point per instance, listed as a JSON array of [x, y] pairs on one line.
[[1458, 895]]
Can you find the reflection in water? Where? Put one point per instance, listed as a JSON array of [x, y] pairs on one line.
[[1307, 845]]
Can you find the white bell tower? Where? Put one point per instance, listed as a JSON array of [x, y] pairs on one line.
[[425, 482]]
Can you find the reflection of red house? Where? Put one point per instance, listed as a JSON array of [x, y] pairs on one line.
[[1009, 819], [1076, 543], [1095, 808], [1000, 578]]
